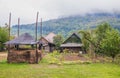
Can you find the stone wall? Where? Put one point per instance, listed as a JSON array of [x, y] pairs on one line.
[[23, 56]]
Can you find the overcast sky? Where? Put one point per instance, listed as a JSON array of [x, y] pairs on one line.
[[50, 9]]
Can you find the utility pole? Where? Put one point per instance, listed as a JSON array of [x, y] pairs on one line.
[[18, 26], [41, 28], [9, 31], [36, 36], [17, 46], [9, 36], [40, 44]]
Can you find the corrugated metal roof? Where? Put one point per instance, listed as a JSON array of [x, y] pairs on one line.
[[23, 39], [71, 45]]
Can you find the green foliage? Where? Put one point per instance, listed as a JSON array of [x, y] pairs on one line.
[[58, 40], [89, 41], [3, 37], [102, 40], [65, 51], [85, 39], [111, 43], [101, 30], [58, 58], [52, 58], [100, 34], [117, 59]]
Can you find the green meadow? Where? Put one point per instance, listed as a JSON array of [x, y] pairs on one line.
[[43, 70]]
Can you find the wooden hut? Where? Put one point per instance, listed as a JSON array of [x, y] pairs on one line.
[[72, 43], [23, 55], [46, 43]]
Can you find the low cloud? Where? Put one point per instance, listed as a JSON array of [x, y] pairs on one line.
[[49, 9]]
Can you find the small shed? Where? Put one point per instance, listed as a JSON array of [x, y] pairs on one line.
[[72, 43], [47, 42], [23, 55]]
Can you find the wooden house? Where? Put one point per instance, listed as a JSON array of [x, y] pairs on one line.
[[72, 43], [46, 43]]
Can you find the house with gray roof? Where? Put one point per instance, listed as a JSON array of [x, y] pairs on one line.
[[73, 43]]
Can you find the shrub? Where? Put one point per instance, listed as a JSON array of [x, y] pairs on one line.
[[66, 51], [117, 59], [52, 58], [87, 62]]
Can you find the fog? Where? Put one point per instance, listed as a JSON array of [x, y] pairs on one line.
[[51, 9]]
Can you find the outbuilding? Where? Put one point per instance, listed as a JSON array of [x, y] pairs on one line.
[[46, 43], [22, 54]]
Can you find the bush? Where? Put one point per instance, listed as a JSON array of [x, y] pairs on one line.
[[87, 62], [52, 58], [66, 51], [117, 59]]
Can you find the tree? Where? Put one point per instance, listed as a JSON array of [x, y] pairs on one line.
[[3, 37], [88, 41], [102, 40], [58, 40], [100, 32], [92, 38], [111, 43]]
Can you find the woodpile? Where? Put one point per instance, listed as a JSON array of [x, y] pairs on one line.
[[28, 56]]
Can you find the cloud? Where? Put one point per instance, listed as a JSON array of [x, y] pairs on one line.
[[49, 9]]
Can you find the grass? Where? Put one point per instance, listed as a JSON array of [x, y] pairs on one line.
[[42, 70], [68, 69]]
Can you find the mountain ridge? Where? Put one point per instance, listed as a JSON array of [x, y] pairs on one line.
[[70, 24]]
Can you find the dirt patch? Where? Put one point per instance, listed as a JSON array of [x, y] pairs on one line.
[[73, 57], [53, 66], [3, 56]]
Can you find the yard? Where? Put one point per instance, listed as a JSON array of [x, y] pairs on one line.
[[45, 70]]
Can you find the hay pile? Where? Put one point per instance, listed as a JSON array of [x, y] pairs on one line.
[[26, 56]]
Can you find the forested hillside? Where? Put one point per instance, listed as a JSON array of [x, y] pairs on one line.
[[67, 25]]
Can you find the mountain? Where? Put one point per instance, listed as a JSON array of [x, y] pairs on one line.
[[67, 25]]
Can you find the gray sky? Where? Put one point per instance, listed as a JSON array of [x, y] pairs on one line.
[[50, 9]]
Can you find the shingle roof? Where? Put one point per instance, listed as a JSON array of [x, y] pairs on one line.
[[23, 39]]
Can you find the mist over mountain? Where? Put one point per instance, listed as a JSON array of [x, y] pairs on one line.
[[70, 24]]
